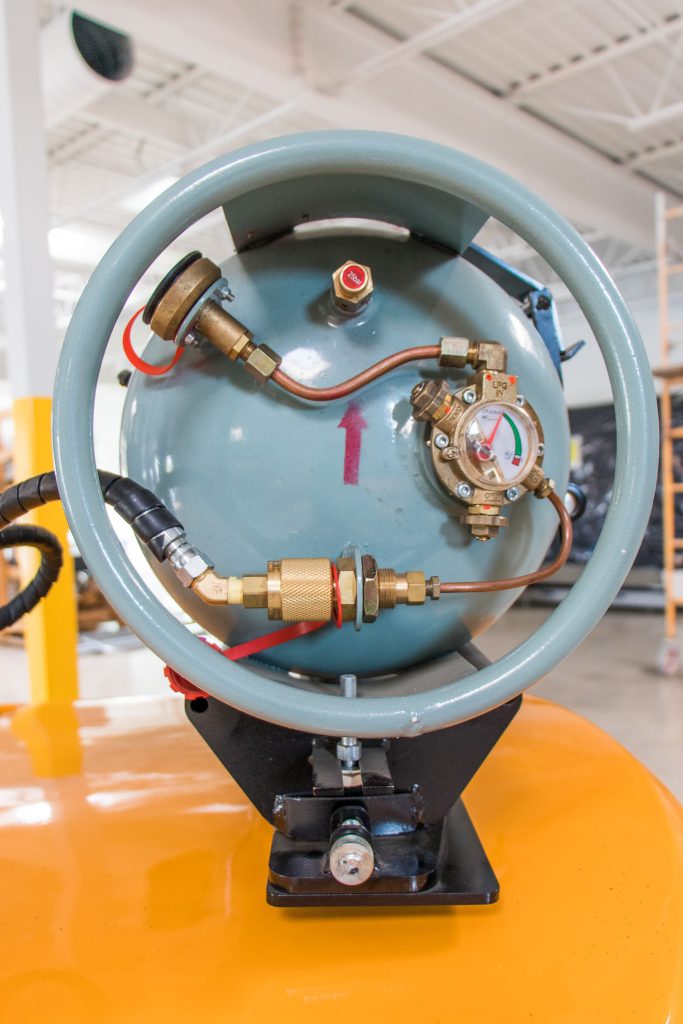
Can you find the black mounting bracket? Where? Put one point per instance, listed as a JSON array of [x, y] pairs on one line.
[[407, 791]]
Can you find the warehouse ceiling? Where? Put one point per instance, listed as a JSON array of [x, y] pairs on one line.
[[580, 99]]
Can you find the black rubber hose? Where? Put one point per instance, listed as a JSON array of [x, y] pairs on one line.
[[48, 571], [138, 506]]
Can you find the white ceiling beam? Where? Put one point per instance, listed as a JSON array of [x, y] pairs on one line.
[[435, 103], [446, 29], [654, 118], [193, 156], [441, 105], [652, 155], [141, 118], [587, 62]]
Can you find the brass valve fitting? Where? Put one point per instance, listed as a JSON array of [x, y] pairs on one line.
[[181, 291], [482, 355], [352, 286], [307, 590]]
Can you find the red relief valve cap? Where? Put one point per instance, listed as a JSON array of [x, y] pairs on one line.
[[351, 286]]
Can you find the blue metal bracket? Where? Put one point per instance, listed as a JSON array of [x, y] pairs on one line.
[[537, 301]]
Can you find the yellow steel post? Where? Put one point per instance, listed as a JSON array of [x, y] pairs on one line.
[[51, 628]]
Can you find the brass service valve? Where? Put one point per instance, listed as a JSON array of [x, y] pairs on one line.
[[312, 590], [188, 302]]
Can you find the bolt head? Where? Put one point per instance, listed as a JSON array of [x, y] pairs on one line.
[[450, 454], [520, 400], [352, 860], [469, 396], [463, 490], [541, 449], [441, 441], [512, 493]]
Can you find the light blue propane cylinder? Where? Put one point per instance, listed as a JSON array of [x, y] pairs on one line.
[[255, 474]]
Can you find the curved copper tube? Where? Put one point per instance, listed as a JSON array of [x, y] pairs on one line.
[[512, 582], [407, 355]]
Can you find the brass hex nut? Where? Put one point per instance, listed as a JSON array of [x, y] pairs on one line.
[[483, 525], [262, 363], [431, 400], [370, 588], [255, 591], [347, 589], [417, 587], [352, 284], [454, 351]]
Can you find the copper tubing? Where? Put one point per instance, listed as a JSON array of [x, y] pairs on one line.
[[408, 355], [482, 586]]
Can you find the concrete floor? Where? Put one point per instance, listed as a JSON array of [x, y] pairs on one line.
[[611, 679]]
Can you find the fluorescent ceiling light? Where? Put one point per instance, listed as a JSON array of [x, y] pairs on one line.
[[70, 245], [143, 197]]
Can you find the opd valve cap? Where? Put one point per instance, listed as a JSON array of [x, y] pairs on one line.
[[352, 286]]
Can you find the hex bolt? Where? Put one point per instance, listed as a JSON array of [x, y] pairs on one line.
[[352, 859], [469, 397], [512, 493], [520, 400], [441, 441], [349, 685], [225, 293], [349, 748], [463, 490]]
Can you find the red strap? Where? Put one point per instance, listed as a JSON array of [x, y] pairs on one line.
[[136, 360], [279, 636], [182, 685]]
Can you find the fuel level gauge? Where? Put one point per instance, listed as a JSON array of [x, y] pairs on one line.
[[500, 444]]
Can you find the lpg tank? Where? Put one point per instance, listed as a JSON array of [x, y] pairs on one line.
[[256, 474]]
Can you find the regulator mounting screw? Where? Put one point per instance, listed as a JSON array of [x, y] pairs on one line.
[[469, 397], [512, 493], [441, 441], [463, 490]]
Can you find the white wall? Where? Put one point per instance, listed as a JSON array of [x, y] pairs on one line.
[[586, 381]]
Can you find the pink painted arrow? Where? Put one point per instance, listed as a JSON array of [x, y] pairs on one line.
[[353, 423]]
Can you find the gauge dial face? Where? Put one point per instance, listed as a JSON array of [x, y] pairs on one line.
[[500, 444]]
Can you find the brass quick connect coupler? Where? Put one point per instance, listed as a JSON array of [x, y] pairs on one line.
[[185, 304], [312, 589]]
